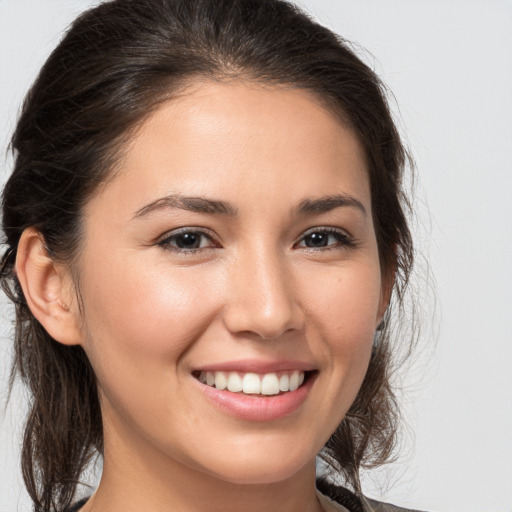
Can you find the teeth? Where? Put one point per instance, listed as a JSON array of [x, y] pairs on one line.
[[270, 384], [234, 382], [220, 380], [294, 381], [284, 383], [252, 383]]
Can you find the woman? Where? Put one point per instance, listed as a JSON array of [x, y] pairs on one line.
[[205, 228]]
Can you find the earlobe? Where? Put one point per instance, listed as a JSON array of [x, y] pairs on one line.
[[47, 289]]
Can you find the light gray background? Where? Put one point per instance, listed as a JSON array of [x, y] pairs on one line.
[[449, 65]]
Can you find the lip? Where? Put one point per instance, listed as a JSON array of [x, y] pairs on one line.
[[257, 408], [254, 366]]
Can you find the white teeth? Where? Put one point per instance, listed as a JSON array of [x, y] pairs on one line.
[[252, 383], [220, 380], [234, 382], [284, 383], [269, 384], [294, 381]]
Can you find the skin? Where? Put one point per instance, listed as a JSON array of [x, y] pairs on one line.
[[153, 313]]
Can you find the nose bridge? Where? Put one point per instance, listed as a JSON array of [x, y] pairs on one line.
[[263, 297]]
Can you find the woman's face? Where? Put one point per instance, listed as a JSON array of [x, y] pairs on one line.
[[234, 248]]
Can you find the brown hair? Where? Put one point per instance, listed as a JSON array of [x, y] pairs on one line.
[[115, 65]]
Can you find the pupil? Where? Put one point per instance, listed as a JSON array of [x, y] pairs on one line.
[[188, 241], [316, 240]]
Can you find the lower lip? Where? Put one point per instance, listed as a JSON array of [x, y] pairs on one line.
[[260, 407]]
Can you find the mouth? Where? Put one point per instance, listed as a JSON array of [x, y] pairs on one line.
[[255, 384], [256, 391]]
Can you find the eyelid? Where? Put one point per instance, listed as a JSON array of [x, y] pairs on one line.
[[327, 229]]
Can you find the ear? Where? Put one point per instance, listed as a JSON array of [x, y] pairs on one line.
[[388, 282], [48, 289]]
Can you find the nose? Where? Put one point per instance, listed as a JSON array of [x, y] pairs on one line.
[[263, 298]]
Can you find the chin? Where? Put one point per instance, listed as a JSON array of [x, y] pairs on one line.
[[259, 476], [261, 468]]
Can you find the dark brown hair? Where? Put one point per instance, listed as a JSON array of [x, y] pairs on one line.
[[113, 68]]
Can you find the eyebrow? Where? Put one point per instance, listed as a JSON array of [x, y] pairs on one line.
[[212, 206], [326, 204], [192, 204]]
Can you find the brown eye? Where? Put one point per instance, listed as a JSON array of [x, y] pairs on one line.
[[325, 239], [317, 240], [187, 240]]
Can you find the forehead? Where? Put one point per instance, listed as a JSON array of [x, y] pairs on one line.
[[227, 139]]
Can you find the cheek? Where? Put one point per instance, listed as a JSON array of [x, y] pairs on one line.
[[141, 321], [344, 312], [139, 313], [347, 300]]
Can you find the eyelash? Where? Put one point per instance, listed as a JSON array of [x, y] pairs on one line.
[[343, 240]]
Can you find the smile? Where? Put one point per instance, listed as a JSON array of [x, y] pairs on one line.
[[253, 383]]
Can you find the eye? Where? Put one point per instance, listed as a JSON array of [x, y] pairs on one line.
[[187, 240], [326, 238]]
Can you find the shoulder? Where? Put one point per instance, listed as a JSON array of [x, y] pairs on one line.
[[352, 502]]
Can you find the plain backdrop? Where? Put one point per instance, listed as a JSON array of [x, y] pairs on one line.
[[449, 65]]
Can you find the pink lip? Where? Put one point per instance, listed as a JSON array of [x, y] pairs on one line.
[[257, 408], [255, 366]]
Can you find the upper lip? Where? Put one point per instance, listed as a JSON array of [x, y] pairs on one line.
[[255, 366]]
